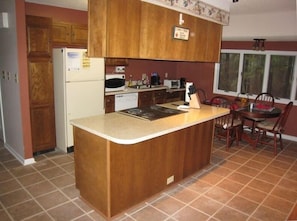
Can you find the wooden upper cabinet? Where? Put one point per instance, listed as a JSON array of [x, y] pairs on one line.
[[114, 28], [38, 36], [137, 29], [157, 42], [68, 34], [214, 39]]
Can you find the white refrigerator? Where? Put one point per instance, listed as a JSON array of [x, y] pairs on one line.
[[78, 91]]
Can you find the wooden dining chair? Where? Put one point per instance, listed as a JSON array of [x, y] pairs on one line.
[[227, 125], [274, 127], [263, 100]]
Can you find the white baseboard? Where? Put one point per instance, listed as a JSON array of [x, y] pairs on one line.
[[19, 157]]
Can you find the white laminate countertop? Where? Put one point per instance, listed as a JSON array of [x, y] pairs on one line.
[[123, 129]]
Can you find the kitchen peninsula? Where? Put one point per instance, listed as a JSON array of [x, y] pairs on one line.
[[122, 160]]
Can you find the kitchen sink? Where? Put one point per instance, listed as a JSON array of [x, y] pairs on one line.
[[145, 86]]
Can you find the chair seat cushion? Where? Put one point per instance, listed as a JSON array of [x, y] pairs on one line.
[[266, 124], [236, 123]]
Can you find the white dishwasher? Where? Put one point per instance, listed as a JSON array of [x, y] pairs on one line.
[[126, 101]]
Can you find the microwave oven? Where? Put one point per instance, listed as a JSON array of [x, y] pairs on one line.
[[172, 84], [114, 82]]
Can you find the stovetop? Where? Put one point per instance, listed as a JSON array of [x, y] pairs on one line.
[[153, 112]]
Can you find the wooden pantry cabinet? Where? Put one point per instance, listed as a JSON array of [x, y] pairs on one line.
[[69, 35], [40, 74]]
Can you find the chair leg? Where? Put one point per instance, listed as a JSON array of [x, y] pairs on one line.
[[275, 144], [281, 141], [237, 135]]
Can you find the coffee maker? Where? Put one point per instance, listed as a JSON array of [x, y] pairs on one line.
[[155, 79], [182, 82]]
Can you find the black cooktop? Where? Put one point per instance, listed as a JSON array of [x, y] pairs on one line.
[[152, 112]]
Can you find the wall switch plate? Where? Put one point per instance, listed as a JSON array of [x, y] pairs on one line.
[[170, 179], [120, 69]]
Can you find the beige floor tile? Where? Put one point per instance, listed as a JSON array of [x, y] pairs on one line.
[[190, 214], [23, 210], [148, 211], [261, 185], [63, 159], [64, 180], [185, 195], [284, 193], [44, 164], [219, 194], [5, 176], [53, 172], [230, 186], [71, 191], [248, 171], [40, 217], [210, 178], [255, 164], [9, 186], [267, 214], [279, 204], [67, 211], [51, 200], [227, 213], [239, 178], [242, 204], [22, 170], [252, 194], [199, 186], [4, 216], [82, 205], [168, 205], [206, 205], [41, 188], [14, 197], [30, 179], [268, 177]]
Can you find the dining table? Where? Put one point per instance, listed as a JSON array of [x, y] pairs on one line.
[[255, 111]]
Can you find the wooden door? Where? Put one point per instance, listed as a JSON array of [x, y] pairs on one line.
[[40, 74]]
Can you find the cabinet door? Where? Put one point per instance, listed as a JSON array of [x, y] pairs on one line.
[[214, 33], [123, 26], [41, 103], [39, 30], [145, 99], [61, 33], [159, 96], [109, 103], [79, 35], [97, 11]]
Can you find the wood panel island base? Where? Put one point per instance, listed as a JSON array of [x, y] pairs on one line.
[[114, 173]]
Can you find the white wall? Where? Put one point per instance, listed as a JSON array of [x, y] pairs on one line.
[[272, 26], [10, 90]]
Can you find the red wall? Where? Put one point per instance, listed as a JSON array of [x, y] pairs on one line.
[[61, 14]]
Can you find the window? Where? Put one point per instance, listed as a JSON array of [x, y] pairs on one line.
[[253, 72]]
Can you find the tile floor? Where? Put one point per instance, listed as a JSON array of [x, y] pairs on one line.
[[242, 184]]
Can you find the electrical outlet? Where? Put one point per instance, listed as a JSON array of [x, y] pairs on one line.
[[170, 179], [120, 69]]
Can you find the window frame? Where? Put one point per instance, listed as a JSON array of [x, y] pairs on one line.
[[267, 54]]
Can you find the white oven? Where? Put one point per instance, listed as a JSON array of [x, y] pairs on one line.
[[126, 101]]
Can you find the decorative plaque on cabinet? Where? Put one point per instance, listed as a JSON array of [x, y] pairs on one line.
[[181, 33]]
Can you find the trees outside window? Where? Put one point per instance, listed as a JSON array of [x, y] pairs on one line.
[[253, 72]]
